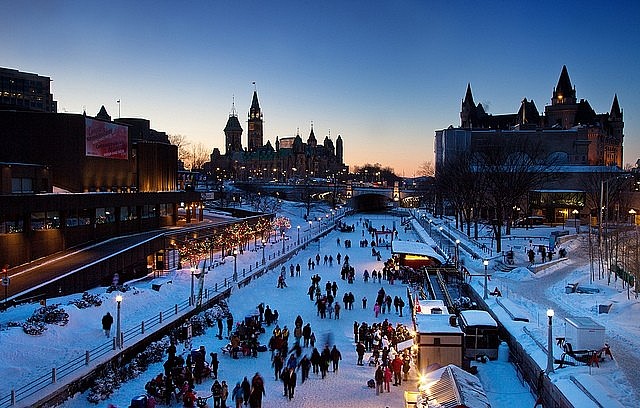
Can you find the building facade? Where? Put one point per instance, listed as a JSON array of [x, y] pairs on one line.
[[569, 135], [25, 91], [70, 179], [291, 157]]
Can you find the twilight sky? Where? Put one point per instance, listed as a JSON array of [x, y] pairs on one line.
[[383, 74]]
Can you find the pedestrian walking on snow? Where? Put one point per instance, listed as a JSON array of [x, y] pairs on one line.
[[107, 321]]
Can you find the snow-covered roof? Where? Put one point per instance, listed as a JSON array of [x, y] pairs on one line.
[[414, 248], [451, 386], [584, 323], [435, 323], [425, 306], [478, 318]]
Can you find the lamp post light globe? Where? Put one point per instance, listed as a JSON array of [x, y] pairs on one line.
[[550, 359], [118, 330], [486, 264]]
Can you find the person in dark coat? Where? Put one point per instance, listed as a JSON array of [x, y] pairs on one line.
[[379, 377], [335, 358], [305, 365], [278, 363], [292, 383], [285, 376], [107, 321], [257, 391], [214, 364], [315, 361], [246, 390], [360, 349], [216, 393]]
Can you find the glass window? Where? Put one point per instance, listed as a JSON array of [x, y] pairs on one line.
[[105, 215], [21, 185], [84, 216], [11, 226], [128, 213], [72, 218]]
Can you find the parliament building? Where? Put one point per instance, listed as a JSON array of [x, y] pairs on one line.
[[291, 158]]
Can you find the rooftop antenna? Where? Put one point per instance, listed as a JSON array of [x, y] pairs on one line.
[[233, 105]]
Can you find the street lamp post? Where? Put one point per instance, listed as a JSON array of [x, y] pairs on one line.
[[263, 245], [632, 214], [193, 271], [430, 221], [457, 253], [235, 265], [486, 264], [575, 213], [282, 235], [441, 238], [118, 331], [550, 343], [298, 235]]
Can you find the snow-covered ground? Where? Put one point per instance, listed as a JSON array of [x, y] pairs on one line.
[[614, 382]]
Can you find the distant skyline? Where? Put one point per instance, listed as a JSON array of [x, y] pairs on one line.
[[385, 75]]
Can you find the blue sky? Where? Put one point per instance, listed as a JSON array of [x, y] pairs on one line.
[[383, 74]]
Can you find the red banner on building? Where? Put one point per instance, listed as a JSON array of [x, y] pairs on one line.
[[108, 140]]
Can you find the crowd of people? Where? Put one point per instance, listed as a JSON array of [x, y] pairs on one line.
[[300, 356]]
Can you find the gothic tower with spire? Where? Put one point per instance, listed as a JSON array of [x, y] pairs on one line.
[[233, 132], [255, 133]]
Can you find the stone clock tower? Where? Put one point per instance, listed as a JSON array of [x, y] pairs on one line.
[[255, 133]]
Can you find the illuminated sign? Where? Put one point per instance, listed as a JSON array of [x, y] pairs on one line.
[[107, 140]]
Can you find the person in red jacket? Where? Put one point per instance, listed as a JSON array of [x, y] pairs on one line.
[[396, 366]]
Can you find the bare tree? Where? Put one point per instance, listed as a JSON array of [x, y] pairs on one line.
[[511, 168], [427, 169], [199, 155], [181, 142]]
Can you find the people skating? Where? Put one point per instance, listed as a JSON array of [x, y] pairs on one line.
[[396, 367], [246, 390], [285, 377], [292, 383], [360, 350], [305, 366], [315, 361], [336, 356], [277, 364], [257, 391], [379, 377], [306, 334], [388, 375], [216, 393], [107, 321], [237, 395]]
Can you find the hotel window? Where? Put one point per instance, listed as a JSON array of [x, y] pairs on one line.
[[21, 185], [84, 216]]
